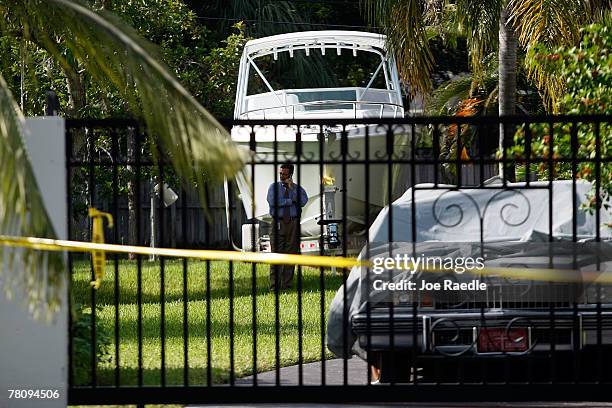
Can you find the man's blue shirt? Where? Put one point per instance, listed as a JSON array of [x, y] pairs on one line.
[[276, 195]]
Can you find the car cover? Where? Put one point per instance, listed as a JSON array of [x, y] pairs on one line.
[[507, 224]]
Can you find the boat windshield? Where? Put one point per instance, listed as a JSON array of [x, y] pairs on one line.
[[316, 71], [334, 81]]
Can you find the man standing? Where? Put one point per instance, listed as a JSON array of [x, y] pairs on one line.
[[286, 200]]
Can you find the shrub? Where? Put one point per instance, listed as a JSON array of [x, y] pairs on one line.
[[82, 343], [586, 74]]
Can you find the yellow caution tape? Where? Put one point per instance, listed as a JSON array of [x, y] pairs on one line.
[[534, 274], [97, 235], [46, 244], [548, 275], [98, 249]]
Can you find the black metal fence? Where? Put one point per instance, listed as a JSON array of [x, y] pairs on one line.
[[535, 213], [110, 153]]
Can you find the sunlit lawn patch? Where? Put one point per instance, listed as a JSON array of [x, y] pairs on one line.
[[174, 318]]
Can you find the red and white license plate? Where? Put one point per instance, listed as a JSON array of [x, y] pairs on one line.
[[496, 339]]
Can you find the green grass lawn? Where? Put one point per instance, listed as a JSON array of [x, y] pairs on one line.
[[197, 325]]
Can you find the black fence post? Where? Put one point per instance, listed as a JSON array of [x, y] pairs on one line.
[[52, 105]]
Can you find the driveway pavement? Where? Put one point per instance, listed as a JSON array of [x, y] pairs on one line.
[[357, 375], [334, 370], [431, 405]]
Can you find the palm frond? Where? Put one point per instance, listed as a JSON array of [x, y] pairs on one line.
[[37, 275], [542, 26], [479, 21], [259, 13], [447, 95], [198, 147], [600, 10], [550, 85], [432, 12], [548, 22], [112, 52], [407, 39], [441, 21], [449, 27], [281, 11]]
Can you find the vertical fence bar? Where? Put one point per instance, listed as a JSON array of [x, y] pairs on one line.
[[598, 158], [481, 137], [551, 171], [389, 162], [576, 341], [481, 134], [413, 236], [600, 354], [208, 298], [527, 154], [461, 363], [504, 154], [436, 169], [231, 321], [574, 150], [208, 328], [69, 133], [436, 153], [278, 270], [138, 256], [575, 327], [253, 148], [162, 265], [370, 357], [344, 152], [230, 196], [458, 158], [505, 169], [92, 196], [115, 158], [415, 325], [185, 291], [300, 317], [528, 139], [321, 138]]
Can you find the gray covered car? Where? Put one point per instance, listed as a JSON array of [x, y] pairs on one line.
[[542, 291]]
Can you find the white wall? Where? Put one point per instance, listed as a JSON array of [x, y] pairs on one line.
[[34, 355]]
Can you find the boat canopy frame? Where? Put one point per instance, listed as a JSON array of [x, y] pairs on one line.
[[315, 40]]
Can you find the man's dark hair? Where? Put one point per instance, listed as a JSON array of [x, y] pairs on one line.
[[289, 167]]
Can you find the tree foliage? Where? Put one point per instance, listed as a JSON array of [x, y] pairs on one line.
[[221, 67], [586, 74], [80, 39], [204, 65], [411, 24]]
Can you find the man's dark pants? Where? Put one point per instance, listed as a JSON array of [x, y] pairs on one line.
[[285, 240]]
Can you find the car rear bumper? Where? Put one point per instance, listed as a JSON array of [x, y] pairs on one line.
[[458, 332]]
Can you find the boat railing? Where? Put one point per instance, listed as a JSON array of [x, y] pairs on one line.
[[288, 111]]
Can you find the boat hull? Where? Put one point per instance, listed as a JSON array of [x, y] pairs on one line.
[[351, 184]]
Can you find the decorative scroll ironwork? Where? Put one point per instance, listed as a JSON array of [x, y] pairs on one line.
[[503, 211]]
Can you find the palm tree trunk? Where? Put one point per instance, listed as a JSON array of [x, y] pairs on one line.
[[507, 84], [76, 93]]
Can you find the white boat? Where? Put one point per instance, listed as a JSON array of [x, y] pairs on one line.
[[261, 98]]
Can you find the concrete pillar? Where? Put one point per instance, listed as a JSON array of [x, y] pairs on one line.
[[33, 354]]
